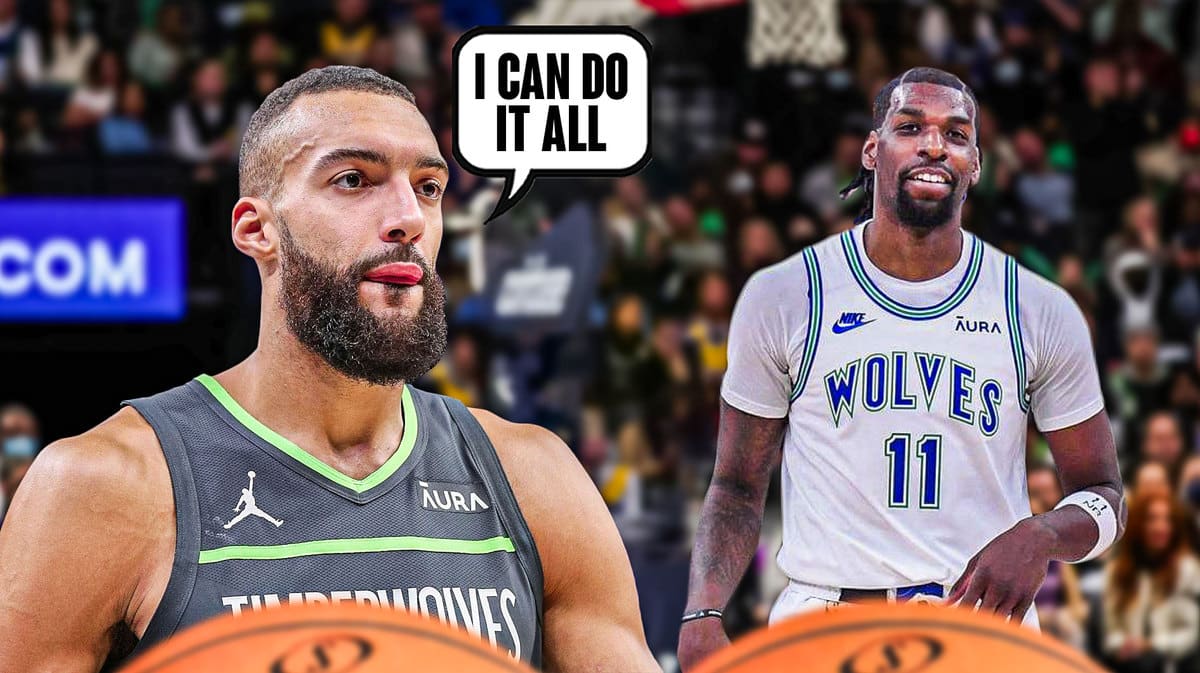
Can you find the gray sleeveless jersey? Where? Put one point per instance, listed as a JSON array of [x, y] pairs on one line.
[[260, 522]]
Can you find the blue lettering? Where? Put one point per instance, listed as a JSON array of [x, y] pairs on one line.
[[840, 387], [875, 383], [990, 393], [961, 378], [901, 399], [930, 368]]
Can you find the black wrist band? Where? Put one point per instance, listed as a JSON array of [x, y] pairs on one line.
[[701, 614]]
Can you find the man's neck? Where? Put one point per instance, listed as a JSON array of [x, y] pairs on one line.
[[350, 425], [909, 253]]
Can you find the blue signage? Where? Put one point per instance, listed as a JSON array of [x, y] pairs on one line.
[[73, 260]]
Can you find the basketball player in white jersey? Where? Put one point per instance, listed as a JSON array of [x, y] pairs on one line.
[[897, 366]]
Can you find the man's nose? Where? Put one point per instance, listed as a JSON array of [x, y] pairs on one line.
[[404, 221], [932, 144]]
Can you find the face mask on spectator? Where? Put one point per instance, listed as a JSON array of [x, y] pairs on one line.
[[20, 446]]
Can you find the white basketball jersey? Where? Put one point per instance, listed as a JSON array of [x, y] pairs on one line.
[[905, 447]]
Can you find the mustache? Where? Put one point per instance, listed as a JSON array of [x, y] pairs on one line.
[[407, 253]]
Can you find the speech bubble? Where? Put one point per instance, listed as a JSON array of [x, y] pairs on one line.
[[551, 101]]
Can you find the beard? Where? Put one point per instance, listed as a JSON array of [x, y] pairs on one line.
[[323, 311], [923, 214]]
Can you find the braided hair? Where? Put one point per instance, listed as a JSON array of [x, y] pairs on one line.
[[883, 100]]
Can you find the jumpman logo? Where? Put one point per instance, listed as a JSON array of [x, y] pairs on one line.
[[247, 506]]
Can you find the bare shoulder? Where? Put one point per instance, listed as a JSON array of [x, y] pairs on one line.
[[566, 519], [119, 458], [526, 449], [105, 486], [591, 604], [92, 524]]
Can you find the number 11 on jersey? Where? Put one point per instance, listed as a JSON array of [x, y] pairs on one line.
[[929, 450]]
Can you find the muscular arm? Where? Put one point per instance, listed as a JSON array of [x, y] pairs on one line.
[[73, 554], [1005, 575], [591, 619], [1086, 459], [747, 449]]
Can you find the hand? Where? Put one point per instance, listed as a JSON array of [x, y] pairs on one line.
[[1006, 574], [699, 639]]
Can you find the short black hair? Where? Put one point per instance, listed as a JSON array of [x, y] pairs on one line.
[[259, 166], [879, 112]]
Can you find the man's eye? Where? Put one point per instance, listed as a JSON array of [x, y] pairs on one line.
[[907, 127], [430, 189], [959, 134], [352, 180]]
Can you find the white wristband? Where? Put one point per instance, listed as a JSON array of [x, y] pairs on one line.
[[1101, 512]]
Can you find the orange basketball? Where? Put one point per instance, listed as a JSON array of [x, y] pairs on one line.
[[898, 639], [344, 638]]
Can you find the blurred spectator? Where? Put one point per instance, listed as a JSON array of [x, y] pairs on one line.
[[626, 380], [1140, 230], [1045, 195], [739, 175], [1163, 442], [1150, 477], [629, 215], [156, 56], [346, 38], [20, 431], [264, 61], [1189, 488], [207, 127], [1139, 385], [820, 185], [1104, 129], [461, 373], [57, 52], [641, 486], [1152, 618], [10, 31], [1135, 257], [419, 40], [30, 138], [758, 246], [1060, 604], [20, 441], [96, 97], [125, 132], [689, 248], [1183, 300], [709, 328], [1185, 392], [776, 199]]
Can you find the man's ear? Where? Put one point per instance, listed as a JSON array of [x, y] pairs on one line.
[[254, 231], [869, 150], [977, 166]]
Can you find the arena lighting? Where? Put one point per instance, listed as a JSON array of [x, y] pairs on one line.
[[91, 260]]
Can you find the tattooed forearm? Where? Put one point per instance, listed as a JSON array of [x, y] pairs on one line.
[[730, 521]]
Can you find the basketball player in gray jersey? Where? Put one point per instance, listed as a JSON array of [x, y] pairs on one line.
[[311, 472]]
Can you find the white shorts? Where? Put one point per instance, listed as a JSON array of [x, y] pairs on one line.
[[799, 597]]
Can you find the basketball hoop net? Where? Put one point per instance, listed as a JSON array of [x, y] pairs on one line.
[[795, 32]]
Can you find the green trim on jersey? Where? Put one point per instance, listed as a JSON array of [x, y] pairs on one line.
[[815, 309], [356, 546], [389, 467], [1016, 341], [854, 261]]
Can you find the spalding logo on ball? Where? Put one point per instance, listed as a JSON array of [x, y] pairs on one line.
[[343, 638], [897, 639]]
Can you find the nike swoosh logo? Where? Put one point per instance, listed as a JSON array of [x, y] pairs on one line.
[[839, 328]]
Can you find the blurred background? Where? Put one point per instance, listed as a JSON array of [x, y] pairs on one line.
[[600, 308]]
